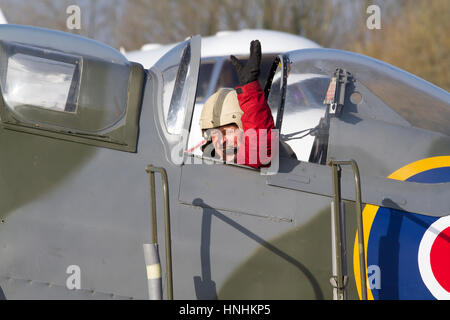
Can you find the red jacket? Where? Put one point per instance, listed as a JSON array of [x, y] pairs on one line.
[[257, 116]]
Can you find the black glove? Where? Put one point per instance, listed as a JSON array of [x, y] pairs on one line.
[[249, 72]]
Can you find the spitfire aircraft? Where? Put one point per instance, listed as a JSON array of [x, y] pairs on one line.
[[96, 169]]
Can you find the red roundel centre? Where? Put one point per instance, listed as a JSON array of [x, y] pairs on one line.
[[440, 259]]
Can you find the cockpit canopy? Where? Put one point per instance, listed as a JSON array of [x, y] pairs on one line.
[[382, 92]]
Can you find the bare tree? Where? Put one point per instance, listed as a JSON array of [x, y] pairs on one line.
[[415, 38], [413, 34], [174, 20]]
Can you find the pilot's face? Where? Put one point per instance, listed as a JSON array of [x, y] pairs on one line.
[[226, 141]]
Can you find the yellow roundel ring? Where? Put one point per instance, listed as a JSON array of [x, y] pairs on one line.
[[370, 211]]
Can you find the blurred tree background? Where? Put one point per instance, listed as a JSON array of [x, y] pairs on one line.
[[413, 34]]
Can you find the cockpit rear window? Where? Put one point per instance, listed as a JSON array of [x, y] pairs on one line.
[[68, 87], [27, 71], [57, 89]]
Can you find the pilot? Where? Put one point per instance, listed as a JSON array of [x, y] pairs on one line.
[[235, 122]]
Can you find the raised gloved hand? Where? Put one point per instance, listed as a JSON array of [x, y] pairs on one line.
[[249, 72]]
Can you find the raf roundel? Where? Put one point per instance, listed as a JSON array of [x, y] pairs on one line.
[[410, 249], [434, 258]]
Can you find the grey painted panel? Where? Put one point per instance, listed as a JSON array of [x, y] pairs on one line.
[[244, 190], [427, 199], [371, 106], [381, 148], [224, 215], [34, 290], [210, 244]]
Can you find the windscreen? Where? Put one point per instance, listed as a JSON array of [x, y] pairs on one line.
[[303, 107], [417, 101], [408, 97]]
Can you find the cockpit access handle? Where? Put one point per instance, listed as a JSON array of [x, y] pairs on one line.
[[154, 255], [340, 284]]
